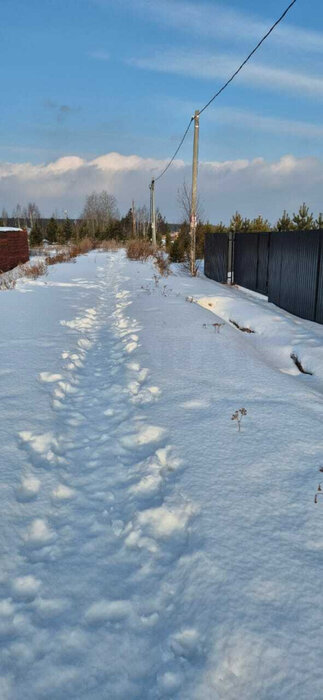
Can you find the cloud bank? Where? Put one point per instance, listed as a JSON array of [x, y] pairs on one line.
[[207, 66], [251, 186]]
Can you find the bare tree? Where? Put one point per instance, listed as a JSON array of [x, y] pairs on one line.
[[4, 216], [142, 217], [32, 213], [17, 214], [99, 211], [184, 197]]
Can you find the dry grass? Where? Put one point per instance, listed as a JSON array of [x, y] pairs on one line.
[[110, 244], [82, 247], [162, 263], [62, 256], [140, 249], [35, 270], [68, 253]]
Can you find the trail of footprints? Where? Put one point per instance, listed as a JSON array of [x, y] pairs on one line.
[[93, 567]]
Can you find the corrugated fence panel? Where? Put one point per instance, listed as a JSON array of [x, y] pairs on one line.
[[216, 256], [293, 271], [274, 267], [263, 257], [288, 265], [245, 260], [319, 300]]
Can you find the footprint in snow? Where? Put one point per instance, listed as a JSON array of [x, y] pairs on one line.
[[25, 588], [28, 489], [104, 611]]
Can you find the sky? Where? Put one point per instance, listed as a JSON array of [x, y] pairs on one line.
[[97, 93]]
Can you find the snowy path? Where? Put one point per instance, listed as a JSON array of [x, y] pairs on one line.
[[150, 551]]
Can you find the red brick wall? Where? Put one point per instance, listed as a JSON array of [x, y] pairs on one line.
[[13, 249]]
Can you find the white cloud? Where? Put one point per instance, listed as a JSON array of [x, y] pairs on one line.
[[214, 20], [213, 66], [252, 186], [250, 120]]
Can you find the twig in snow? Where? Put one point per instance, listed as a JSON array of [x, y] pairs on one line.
[[238, 415]]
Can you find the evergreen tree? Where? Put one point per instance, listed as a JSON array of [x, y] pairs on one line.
[[126, 226], [218, 228], [61, 238], [238, 224], [180, 249], [319, 221], [284, 223], [68, 229], [52, 230], [259, 224], [83, 229], [303, 220], [36, 235], [162, 227], [168, 241]]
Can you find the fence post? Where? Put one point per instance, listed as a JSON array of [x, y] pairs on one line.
[[230, 274]]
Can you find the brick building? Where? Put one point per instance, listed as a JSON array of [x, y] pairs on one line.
[[14, 248]]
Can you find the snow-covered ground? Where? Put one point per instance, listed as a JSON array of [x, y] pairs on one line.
[[149, 549]]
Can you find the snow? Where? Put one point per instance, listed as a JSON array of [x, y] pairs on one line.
[[5, 229], [149, 549]]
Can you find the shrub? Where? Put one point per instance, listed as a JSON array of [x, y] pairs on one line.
[[81, 247], [35, 270], [62, 256], [140, 249], [162, 263], [110, 244]]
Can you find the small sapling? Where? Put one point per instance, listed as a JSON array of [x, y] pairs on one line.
[[238, 415]]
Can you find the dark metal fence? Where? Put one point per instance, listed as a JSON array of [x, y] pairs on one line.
[[216, 256], [251, 261], [295, 272], [287, 266]]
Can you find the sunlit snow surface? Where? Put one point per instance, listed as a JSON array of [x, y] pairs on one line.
[[149, 549]]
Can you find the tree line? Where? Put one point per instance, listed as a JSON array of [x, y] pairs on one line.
[[100, 220], [302, 220]]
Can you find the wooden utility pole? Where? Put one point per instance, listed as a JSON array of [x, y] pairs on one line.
[[133, 220], [193, 222], [153, 212]]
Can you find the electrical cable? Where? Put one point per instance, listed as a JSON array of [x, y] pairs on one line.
[[175, 154], [248, 57], [225, 86]]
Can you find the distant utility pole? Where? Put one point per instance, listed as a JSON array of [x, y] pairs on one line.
[[153, 212], [133, 220], [193, 222]]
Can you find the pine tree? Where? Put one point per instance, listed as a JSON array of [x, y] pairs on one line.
[[68, 229], [218, 228], [52, 230], [36, 235], [238, 224], [284, 223], [181, 246], [259, 224], [61, 238], [303, 221], [168, 241], [319, 221]]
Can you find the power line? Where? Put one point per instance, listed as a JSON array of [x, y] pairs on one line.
[[175, 154], [248, 57], [225, 86]]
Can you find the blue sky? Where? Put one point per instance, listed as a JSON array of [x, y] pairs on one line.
[[89, 77]]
